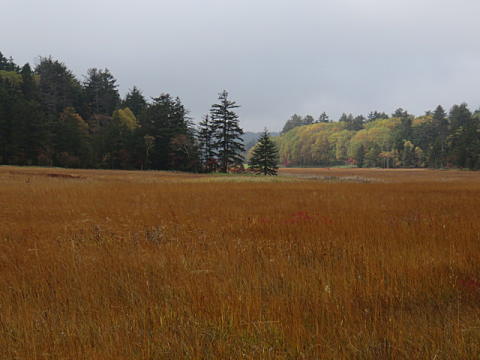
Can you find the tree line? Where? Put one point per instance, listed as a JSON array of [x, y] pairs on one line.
[[50, 118], [437, 139]]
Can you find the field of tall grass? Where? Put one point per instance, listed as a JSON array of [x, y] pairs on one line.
[[314, 264]]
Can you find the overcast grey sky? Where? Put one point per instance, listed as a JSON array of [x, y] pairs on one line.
[[275, 57]]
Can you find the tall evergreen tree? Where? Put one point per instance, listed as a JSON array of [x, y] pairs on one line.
[[206, 138], [29, 87], [463, 139], [459, 116], [135, 101], [265, 158], [58, 87], [228, 134], [9, 94], [438, 154], [164, 120], [101, 92]]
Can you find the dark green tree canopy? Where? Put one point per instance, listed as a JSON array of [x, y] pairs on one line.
[[101, 92], [228, 142], [135, 101], [400, 113], [58, 87], [459, 116], [7, 64], [265, 158], [294, 121], [166, 121], [376, 115], [206, 144], [323, 118]]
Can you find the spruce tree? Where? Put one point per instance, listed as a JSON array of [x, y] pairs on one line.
[[57, 86], [101, 92], [264, 159], [228, 134], [135, 101], [205, 136], [165, 119], [440, 134]]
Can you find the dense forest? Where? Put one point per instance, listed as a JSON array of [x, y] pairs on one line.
[[436, 140], [50, 118]]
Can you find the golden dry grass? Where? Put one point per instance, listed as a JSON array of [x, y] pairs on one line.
[[132, 265]]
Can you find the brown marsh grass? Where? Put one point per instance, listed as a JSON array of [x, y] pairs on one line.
[[155, 265]]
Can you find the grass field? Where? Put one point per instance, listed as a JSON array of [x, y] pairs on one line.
[[314, 264]]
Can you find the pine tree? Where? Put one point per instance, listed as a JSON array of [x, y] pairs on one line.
[[228, 134], [101, 92], [264, 159], [58, 88], [166, 119], [323, 118], [464, 142], [135, 101], [29, 87], [440, 133], [205, 136]]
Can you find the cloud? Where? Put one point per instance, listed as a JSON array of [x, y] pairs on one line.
[[275, 57]]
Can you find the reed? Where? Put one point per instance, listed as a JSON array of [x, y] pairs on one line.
[[133, 265]]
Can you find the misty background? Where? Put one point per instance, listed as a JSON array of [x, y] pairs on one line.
[[275, 58]]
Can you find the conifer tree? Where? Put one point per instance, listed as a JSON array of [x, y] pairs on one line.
[[101, 92], [376, 115], [323, 118], [205, 136], [264, 159], [228, 134], [165, 119], [440, 134], [58, 88], [135, 101], [294, 121]]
